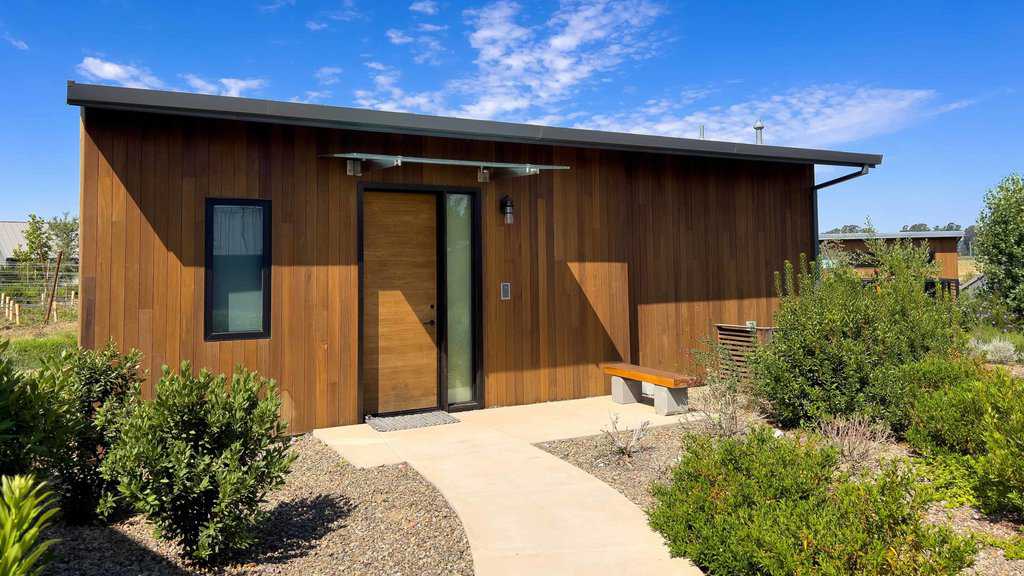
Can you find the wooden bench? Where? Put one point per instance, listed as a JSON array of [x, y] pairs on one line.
[[670, 394]]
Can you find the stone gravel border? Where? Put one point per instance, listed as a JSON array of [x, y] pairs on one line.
[[329, 518]]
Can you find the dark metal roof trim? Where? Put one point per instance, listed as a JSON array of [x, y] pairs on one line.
[[891, 235], [158, 101]]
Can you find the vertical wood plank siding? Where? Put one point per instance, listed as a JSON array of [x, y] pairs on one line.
[[627, 256]]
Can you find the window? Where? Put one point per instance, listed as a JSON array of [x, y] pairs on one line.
[[237, 269]]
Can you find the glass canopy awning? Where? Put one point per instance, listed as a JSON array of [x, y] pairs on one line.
[[485, 170]]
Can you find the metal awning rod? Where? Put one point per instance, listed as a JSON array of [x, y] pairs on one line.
[[390, 161]]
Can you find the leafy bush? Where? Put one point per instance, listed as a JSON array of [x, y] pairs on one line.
[[838, 341], [1001, 468], [999, 244], [985, 310], [26, 509], [973, 436], [893, 390], [81, 386], [20, 431], [950, 478], [200, 457], [949, 420], [764, 505], [28, 353]]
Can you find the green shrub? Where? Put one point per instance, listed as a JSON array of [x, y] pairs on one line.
[[28, 353], [972, 434], [765, 505], [950, 420], [838, 341], [200, 457], [26, 509], [81, 386], [893, 390], [1001, 467], [949, 478], [22, 435]]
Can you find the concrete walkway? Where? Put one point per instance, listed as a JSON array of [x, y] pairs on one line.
[[524, 510]]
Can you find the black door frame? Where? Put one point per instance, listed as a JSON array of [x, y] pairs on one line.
[[440, 208]]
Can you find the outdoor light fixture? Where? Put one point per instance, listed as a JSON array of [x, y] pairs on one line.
[[507, 207]]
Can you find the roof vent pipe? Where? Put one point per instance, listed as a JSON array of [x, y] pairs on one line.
[[701, 131], [759, 132]]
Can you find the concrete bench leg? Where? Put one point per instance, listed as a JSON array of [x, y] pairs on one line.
[[669, 401], [625, 391]]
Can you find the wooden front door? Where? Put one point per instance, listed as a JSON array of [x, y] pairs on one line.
[[400, 344]]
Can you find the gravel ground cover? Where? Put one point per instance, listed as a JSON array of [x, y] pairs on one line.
[[329, 518], [662, 448]]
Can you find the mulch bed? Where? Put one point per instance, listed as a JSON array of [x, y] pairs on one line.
[[663, 446], [329, 518]]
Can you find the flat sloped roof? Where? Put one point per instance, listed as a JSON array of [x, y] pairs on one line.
[[893, 235], [249, 109]]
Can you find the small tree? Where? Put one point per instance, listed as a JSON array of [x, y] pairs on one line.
[[64, 235], [38, 242], [999, 245]]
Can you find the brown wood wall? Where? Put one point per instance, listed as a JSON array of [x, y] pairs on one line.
[[627, 256], [945, 249]]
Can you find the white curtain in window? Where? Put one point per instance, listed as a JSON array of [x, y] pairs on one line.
[[239, 230]]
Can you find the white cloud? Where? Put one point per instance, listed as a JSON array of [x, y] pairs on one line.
[[223, 86], [424, 7], [199, 85], [387, 95], [315, 26], [311, 96], [327, 75], [17, 43], [398, 37], [811, 116], [427, 27], [522, 67], [235, 86], [275, 5], [122, 74], [347, 12], [428, 50]]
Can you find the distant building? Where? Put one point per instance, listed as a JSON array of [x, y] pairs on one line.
[[942, 245], [12, 235]]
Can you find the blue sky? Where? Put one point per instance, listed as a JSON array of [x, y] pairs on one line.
[[935, 87]]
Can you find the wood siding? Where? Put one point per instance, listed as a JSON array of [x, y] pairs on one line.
[[627, 256]]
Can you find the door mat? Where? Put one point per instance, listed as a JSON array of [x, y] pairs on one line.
[[410, 421]]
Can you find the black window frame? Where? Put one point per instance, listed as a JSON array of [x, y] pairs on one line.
[[210, 335]]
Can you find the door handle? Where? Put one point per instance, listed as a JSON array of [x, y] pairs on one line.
[[429, 323]]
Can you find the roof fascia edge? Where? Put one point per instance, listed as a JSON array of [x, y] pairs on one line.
[[242, 109]]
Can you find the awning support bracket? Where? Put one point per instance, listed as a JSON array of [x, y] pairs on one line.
[[355, 162]]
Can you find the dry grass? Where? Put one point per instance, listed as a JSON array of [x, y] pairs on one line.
[[967, 268]]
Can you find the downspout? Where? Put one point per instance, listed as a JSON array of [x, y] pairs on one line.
[[814, 200]]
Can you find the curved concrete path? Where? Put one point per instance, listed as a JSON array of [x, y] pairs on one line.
[[524, 510]]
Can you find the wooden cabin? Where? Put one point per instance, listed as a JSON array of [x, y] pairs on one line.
[[378, 262], [942, 248]]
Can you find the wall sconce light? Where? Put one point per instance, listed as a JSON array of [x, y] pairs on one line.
[[507, 208]]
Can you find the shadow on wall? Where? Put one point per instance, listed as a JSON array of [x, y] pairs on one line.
[[625, 257]]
